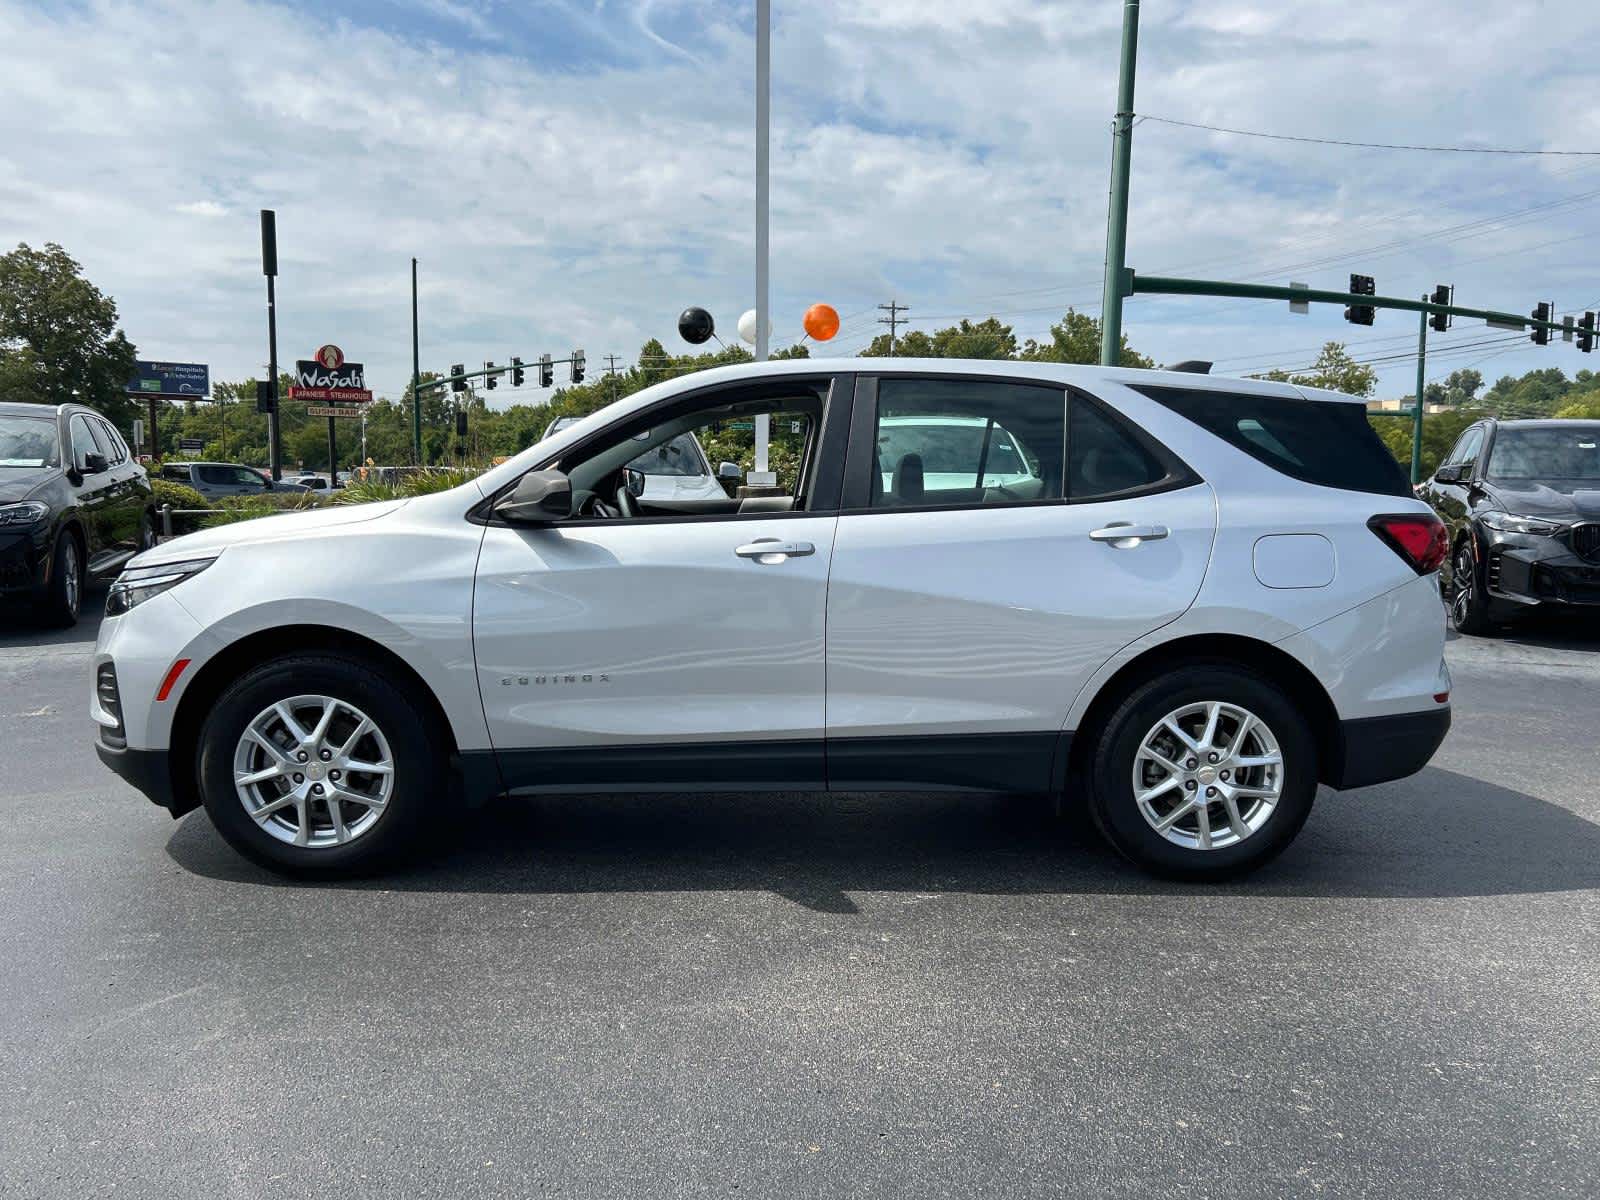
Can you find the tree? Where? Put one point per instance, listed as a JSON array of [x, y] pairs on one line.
[[58, 337], [1459, 389], [1076, 339], [1334, 370]]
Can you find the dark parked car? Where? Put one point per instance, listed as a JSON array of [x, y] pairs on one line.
[[212, 480], [74, 505], [1522, 501]]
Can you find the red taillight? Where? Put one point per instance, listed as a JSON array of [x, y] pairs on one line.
[[1420, 539]]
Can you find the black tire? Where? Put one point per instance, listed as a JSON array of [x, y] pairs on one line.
[[147, 531], [1110, 771], [418, 749], [1469, 605], [62, 600]]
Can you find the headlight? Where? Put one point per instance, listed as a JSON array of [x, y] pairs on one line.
[[137, 584], [1507, 523], [17, 516]]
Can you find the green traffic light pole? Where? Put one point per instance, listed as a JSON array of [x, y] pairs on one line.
[[416, 374], [445, 381], [1117, 205], [1130, 283]]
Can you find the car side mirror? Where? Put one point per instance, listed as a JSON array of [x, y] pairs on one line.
[[93, 464], [1447, 475], [539, 498], [728, 472], [633, 480]]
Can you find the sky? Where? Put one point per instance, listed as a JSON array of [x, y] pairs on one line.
[[573, 174]]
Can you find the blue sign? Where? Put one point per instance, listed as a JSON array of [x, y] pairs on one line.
[[171, 379]]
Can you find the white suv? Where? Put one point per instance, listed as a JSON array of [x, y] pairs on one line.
[[1190, 601]]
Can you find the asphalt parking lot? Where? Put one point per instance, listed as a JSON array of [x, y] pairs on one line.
[[807, 996]]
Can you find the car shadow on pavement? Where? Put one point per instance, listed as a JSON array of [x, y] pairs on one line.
[[1438, 834], [20, 629]]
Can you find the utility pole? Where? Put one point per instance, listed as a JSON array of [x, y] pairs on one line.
[[416, 377], [269, 268], [894, 309], [611, 372], [763, 298], [1117, 206]]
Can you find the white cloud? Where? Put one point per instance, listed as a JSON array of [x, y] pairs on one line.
[[952, 155], [202, 208]]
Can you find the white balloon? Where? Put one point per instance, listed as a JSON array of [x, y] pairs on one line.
[[747, 326]]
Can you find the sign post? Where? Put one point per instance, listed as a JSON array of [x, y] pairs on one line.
[[342, 388], [269, 268]]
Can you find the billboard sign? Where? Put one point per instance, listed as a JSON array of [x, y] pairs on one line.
[[328, 378], [192, 380]]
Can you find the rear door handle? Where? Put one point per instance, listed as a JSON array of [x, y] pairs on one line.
[[771, 550], [1125, 536]]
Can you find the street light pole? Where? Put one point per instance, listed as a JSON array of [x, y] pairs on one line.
[[1117, 207], [763, 132], [269, 267], [416, 377]]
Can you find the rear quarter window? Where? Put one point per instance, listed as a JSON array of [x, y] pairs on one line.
[[1324, 442]]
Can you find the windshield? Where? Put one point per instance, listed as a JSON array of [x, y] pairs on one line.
[[679, 456], [1571, 452], [28, 441]]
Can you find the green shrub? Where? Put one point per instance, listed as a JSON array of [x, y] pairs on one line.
[[179, 495]]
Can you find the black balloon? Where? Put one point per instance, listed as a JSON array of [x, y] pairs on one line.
[[695, 326]]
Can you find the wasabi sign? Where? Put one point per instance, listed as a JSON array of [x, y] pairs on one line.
[[170, 379], [329, 379]]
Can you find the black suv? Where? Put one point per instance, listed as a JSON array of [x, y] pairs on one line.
[[1522, 500], [74, 504]]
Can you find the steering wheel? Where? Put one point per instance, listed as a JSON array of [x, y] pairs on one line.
[[625, 502]]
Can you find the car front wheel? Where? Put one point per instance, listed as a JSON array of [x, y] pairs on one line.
[[319, 766], [63, 596], [1204, 773]]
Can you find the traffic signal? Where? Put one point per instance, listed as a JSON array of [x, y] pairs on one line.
[[1541, 312], [1361, 314], [461, 423], [577, 366], [458, 384], [1586, 332], [490, 379], [1443, 294], [265, 401], [547, 373], [517, 373]]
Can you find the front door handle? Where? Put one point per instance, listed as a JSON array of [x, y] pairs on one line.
[[771, 550], [1125, 536]]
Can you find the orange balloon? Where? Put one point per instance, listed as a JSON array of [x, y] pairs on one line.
[[821, 321]]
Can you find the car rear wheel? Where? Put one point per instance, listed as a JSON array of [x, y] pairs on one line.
[[63, 597], [1469, 606], [319, 766], [1204, 773]]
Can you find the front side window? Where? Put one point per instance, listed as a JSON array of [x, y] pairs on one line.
[[29, 441], [946, 442], [1466, 452], [84, 441], [691, 462]]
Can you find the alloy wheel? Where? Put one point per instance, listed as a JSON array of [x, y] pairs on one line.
[[1208, 775], [1463, 580], [71, 581], [313, 771]]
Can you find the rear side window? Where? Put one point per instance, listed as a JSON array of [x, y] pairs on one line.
[[1317, 441], [1105, 460]]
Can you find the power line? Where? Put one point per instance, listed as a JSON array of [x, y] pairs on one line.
[[1286, 137]]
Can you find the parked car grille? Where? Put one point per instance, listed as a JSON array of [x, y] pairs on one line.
[[105, 690], [1586, 541]]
